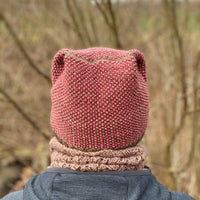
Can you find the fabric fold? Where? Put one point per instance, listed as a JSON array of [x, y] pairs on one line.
[[105, 160]]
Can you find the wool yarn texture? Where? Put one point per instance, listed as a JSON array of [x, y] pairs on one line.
[[131, 158], [100, 101]]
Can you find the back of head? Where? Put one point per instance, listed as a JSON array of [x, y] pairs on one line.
[[100, 102]]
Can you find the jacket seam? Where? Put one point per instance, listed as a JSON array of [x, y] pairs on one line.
[[122, 173], [50, 196], [127, 188]]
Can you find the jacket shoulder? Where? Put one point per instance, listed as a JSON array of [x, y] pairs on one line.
[[180, 196], [14, 196]]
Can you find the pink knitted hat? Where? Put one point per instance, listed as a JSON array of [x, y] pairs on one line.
[[99, 98]]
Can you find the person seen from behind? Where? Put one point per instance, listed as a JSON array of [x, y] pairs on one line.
[[99, 113]]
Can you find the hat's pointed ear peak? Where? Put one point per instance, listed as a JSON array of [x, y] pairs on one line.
[[58, 64], [139, 62]]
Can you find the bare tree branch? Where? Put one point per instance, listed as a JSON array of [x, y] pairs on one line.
[[74, 20], [67, 24], [177, 44], [82, 22], [24, 115], [104, 14], [170, 8], [195, 117], [114, 25], [91, 18], [181, 53], [23, 50]]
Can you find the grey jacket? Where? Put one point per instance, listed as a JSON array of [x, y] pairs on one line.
[[64, 184]]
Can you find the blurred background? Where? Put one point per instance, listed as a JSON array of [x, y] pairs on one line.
[[166, 31]]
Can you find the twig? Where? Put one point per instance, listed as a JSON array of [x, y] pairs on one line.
[[91, 18], [25, 116], [103, 14], [73, 18], [67, 24], [82, 22], [114, 26], [23, 50]]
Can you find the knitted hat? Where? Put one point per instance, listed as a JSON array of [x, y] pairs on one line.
[[99, 98]]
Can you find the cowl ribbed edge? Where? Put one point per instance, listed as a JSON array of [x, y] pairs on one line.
[[131, 158]]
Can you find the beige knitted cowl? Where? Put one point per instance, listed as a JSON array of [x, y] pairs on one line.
[[131, 158]]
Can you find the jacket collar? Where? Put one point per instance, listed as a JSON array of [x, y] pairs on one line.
[[146, 171]]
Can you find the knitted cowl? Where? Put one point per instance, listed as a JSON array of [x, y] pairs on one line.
[[99, 112], [131, 158]]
